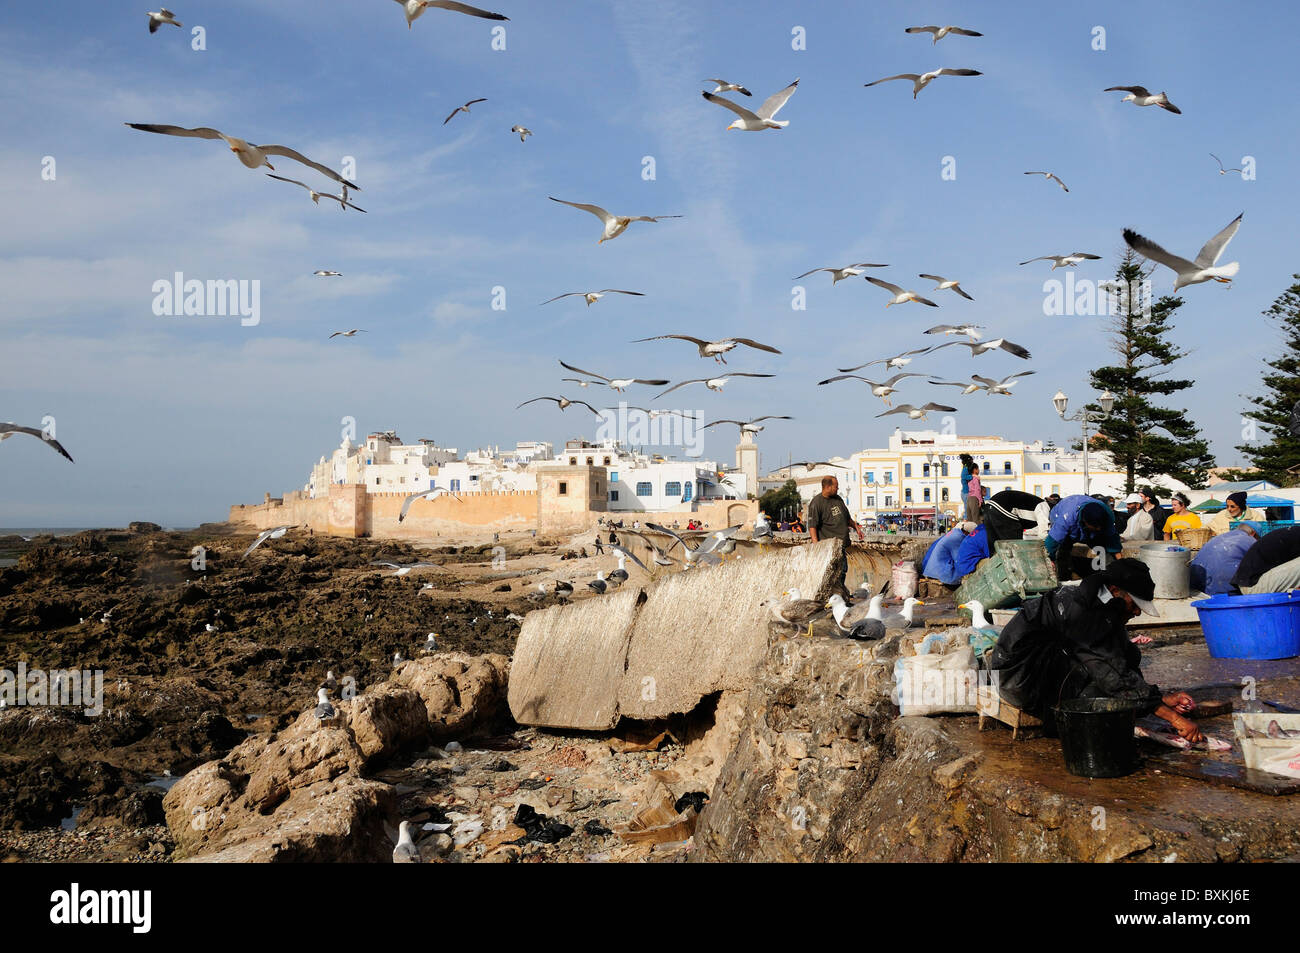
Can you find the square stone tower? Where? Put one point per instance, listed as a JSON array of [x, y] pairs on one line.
[[747, 461]]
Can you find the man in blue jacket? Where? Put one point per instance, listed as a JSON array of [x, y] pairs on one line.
[[1079, 519], [1217, 562], [972, 550], [940, 560]]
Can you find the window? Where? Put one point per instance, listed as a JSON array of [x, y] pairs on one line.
[[573, 461], [907, 495], [1056, 488], [907, 470], [376, 481], [1006, 466], [943, 469], [871, 476], [687, 495], [889, 501], [986, 466], [606, 463], [613, 476], [1038, 489], [871, 501], [564, 488], [925, 469], [673, 488], [455, 485], [943, 494], [925, 496], [590, 461], [1047, 467], [613, 496], [644, 489], [889, 477]]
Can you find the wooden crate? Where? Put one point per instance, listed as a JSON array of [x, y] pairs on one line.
[[989, 704]]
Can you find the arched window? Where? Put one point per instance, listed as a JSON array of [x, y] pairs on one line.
[[925, 494], [644, 489], [1006, 466], [590, 461], [606, 463], [943, 494], [907, 495], [907, 469]]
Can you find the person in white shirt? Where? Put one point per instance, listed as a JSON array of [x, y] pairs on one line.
[[1140, 525]]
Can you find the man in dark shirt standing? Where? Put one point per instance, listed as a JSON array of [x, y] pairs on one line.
[[828, 518], [1272, 564]]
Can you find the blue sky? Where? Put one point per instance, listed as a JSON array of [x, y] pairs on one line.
[[173, 418]]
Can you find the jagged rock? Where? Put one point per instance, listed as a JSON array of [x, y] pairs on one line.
[[385, 720], [459, 691]]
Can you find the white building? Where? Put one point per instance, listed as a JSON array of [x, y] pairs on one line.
[[651, 483]]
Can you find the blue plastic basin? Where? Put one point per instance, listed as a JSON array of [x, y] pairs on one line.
[[1265, 626]]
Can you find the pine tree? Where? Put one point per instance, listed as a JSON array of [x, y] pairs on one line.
[[783, 502], [1273, 409], [1146, 440]]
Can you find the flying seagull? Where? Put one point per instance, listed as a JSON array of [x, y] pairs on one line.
[[922, 80], [615, 225], [348, 334], [415, 8], [524, 132], [747, 426], [462, 109], [881, 389], [713, 383], [652, 414], [399, 570], [764, 118], [426, 495], [159, 17], [981, 347], [266, 534], [317, 196], [7, 430], [1065, 261], [941, 31], [725, 87], [999, 387], [1053, 177], [965, 388], [564, 403], [328, 274], [617, 383], [900, 295], [1141, 96], [1225, 171], [1204, 268], [918, 413], [947, 284], [713, 349], [250, 155], [594, 296], [970, 330], [898, 360], [839, 274]]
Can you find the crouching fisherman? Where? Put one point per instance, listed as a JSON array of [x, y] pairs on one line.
[[1074, 643]]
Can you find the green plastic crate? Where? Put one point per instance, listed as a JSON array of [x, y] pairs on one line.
[[1019, 568]]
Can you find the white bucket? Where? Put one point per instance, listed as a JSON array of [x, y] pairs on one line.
[[1170, 567]]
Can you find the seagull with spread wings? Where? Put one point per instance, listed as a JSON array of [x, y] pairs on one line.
[[714, 384], [463, 109], [349, 334], [765, 118], [983, 347], [1051, 177], [922, 80], [399, 570], [615, 225], [1204, 268], [414, 9], [881, 389], [652, 414], [523, 131], [564, 403], [617, 383], [747, 426], [999, 387], [1065, 261], [941, 31], [262, 537], [972, 331], [317, 196], [250, 155], [839, 274], [593, 296], [918, 413], [1224, 170], [900, 295], [425, 495], [1141, 96], [322, 273], [713, 349], [898, 360], [7, 430], [724, 87], [160, 16], [947, 284]]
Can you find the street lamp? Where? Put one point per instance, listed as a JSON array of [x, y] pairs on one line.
[[933, 460], [1086, 417]]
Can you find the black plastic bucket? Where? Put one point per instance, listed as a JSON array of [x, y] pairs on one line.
[[1097, 736]]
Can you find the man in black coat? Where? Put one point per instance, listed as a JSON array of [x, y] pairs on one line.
[[1074, 643]]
